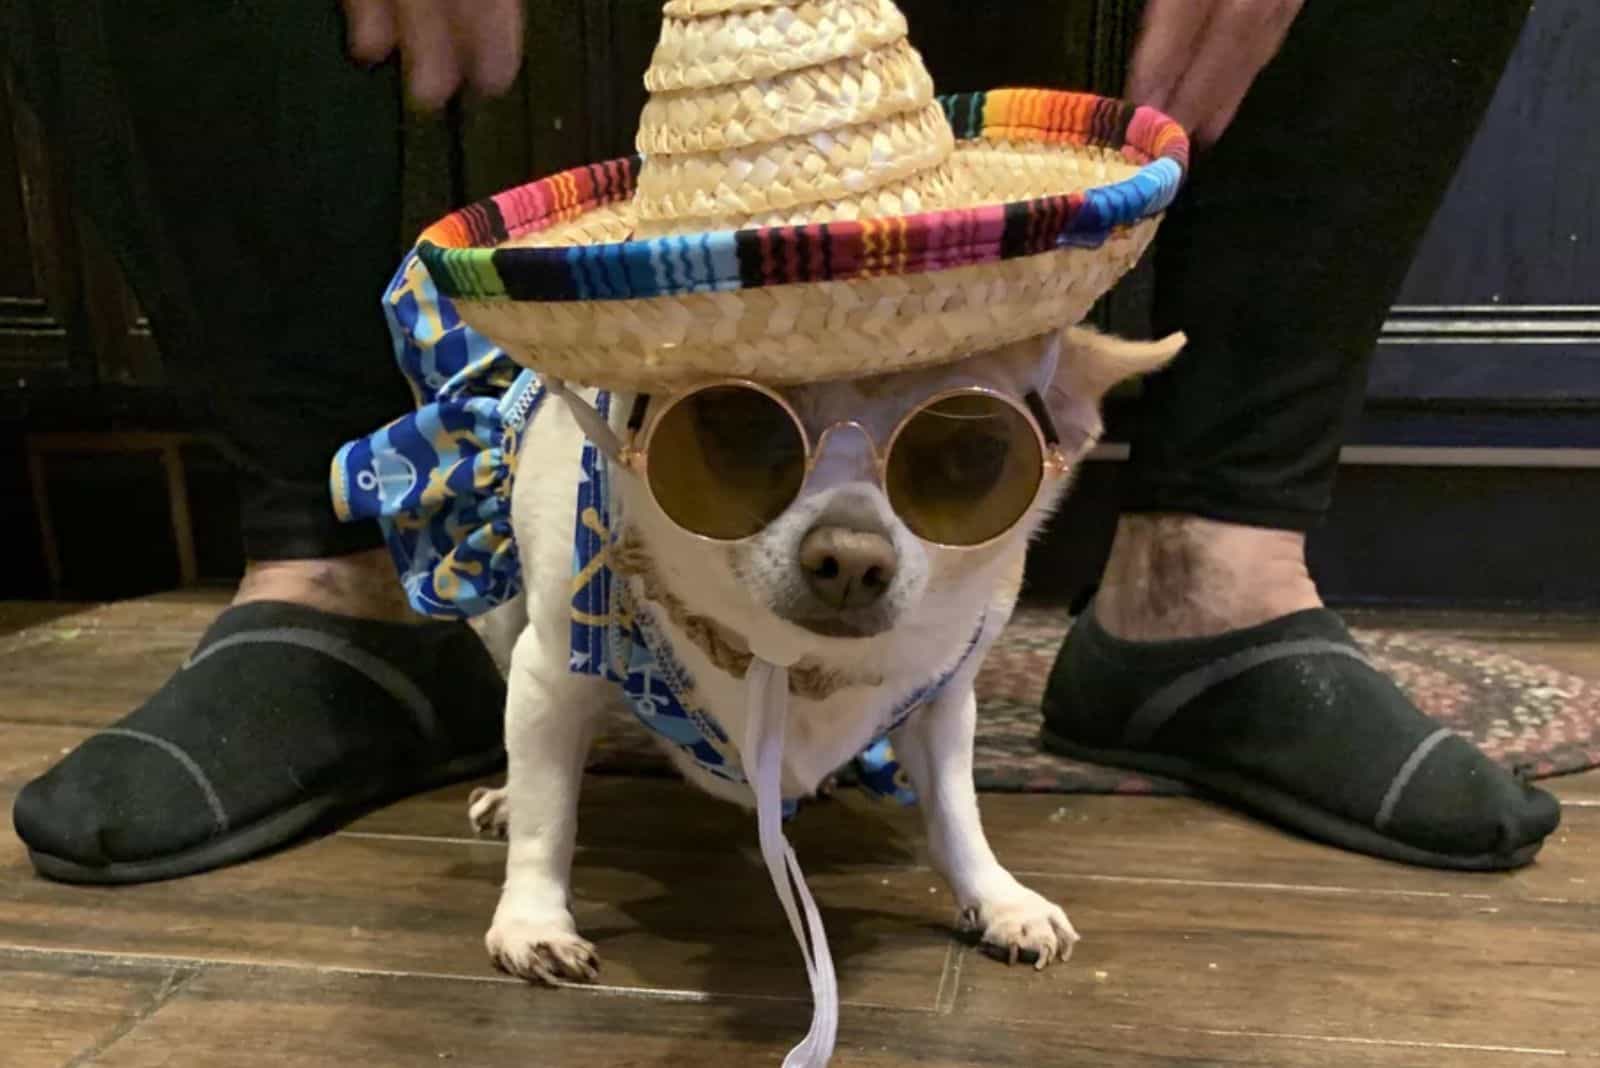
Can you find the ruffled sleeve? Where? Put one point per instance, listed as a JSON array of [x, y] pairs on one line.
[[438, 481]]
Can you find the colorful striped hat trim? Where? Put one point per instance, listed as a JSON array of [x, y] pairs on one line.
[[463, 255]]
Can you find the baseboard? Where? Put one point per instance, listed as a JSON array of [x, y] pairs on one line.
[[1434, 536]]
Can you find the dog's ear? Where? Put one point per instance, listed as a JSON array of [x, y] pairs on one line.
[[1090, 364], [1081, 365]]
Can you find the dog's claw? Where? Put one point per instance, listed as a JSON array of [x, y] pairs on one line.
[[542, 953], [487, 812], [1023, 927]]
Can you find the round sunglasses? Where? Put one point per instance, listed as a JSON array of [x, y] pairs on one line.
[[961, 469]]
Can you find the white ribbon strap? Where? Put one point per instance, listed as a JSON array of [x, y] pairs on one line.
[[591, 421], [767, 700]]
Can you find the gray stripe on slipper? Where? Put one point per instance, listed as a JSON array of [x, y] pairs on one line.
[[383, 674], [1402, 778], [1170, 699], [189, 765]]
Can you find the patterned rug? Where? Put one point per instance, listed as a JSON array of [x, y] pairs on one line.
[[1517, 711]]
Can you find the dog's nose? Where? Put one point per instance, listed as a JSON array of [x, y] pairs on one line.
[[847, 568]]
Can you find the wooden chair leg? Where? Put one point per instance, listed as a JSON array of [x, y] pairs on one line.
[[178, 502], [168, 447], [41, 511]]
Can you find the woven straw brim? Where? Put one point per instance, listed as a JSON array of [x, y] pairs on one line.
[[1061, 194]]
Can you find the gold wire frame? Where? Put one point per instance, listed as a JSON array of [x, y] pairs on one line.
[[1054, 463]]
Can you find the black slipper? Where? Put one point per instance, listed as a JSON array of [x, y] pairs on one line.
[[1288, 720], [284, 721]]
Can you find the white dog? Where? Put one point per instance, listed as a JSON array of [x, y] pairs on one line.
[[866, 651]]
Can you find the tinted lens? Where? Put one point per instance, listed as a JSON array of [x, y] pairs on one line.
[[964, 469], [726, 461]]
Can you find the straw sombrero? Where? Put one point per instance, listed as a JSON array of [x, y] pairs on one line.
[[805, 208]]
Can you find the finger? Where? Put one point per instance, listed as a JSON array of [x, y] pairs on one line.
[[433, 69], [491, 33], [1236, 45], [370, 25], [1167, 38], [1277, 20]]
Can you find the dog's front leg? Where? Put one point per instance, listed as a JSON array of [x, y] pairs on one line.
[[550, 715], [935, 748]]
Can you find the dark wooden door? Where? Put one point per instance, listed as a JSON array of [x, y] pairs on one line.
[[39, 278], [66, 316]]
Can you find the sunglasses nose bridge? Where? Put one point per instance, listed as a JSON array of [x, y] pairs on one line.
[[853, 461]]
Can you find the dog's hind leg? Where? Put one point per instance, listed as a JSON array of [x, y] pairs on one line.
[[501, 628], [935, 748], [551, 714]]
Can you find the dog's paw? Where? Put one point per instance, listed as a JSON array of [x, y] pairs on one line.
[[1022, 926], [548, 952], [488, 812]]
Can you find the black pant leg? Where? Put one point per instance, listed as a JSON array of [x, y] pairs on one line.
[[1284, 253], [247, 176]]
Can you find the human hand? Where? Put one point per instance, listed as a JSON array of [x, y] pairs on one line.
[[1196, 59], [444, 44]]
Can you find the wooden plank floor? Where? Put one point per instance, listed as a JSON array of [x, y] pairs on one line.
[[1208, 939]]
